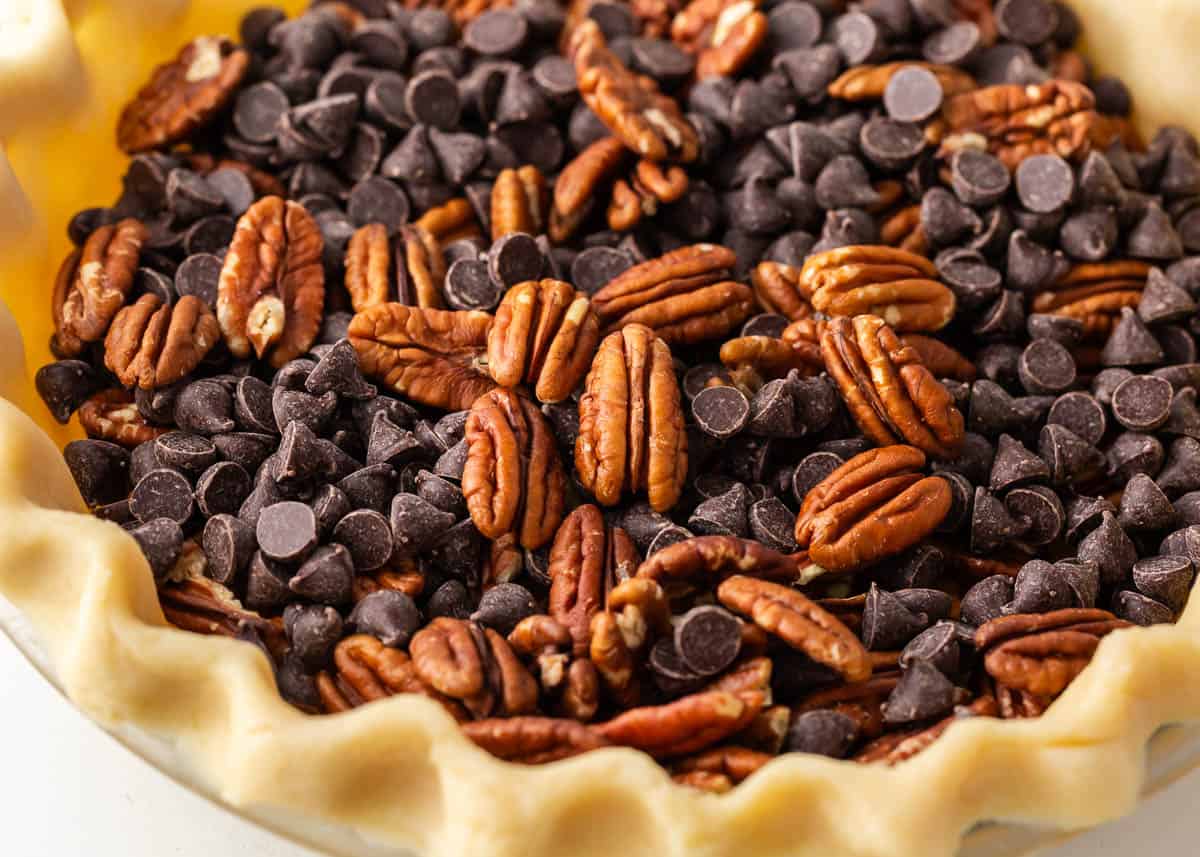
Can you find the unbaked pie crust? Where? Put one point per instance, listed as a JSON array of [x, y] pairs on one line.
[[399, 771]]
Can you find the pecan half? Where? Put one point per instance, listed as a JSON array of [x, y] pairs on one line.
[[152, 345], [615, 663], [941, 359], [684, 296], [631, 432], [533, 740], [1018, 705], [519, 202], [544, 335], [513, 479], [900, 287], [731, 762], [432, 356], [799, 622], [715, 558], [888, 390], [868, 694], [450, 221], [646, 121], [876, 505], [203, 606], [112, 415], [683, 726], [587, 559], [474, 665], [409, 269], [773, 358], [749, 676], [777, 289], [867, 82], [365, 670], [183, 95], [723, 34], [1014, 121], [92, 284], [1095, 294], [271, 294]]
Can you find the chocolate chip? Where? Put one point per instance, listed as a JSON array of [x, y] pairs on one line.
[[811, 470], [887, 622], [182, 451], [503, 606], [844, 183], [913, 94], [1163, 301], [726, 514], [1140, 610], [595, 267], [809, 70], [1015, 465], [1144, 506], [368, 537], [922, 693], [228, 544], [161, 540], [1046, 366], [1110, 548], [978, 178], [992, 526], [1131, 343], [190, 197], [1040, 587], [708, 639], [199, 275], [890, 143], [295, 406], [266, 584], [858, 37], [64, 386], [823, 732], [222, 489], [390, 616], [1041, 507], [1181, 472], [370, 487], [496, 33], [1166, 579], [1082, 414], [1154, 237], [514, 258], [721, 411], [1142, 402], [773, 524], [245, 448], [378, 200], [442, 493], [205, 407], [469, 286], [313, 631], [457, 550], [1045, 183], [337, 371], [162, 493], [286, 531], [326, 577], [986, 599], [416, 523], [940, 646]]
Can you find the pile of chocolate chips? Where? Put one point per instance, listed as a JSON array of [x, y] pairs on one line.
[[328, 507]]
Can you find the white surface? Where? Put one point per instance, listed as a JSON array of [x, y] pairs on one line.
[[68, 789]]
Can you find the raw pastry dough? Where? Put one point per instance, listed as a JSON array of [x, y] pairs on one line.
[[399, 771]]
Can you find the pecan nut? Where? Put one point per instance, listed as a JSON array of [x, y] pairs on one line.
[[202, 606], [533, 740], [151, 345], [1095, 294], [638, 114], [615, 663], [1014, 121], [685, 296], [777, 289], [940, 358], [399, 576], [544, 335], [453, 220], [631, 431], [771, 358], [183, 95], [638, 196], [876, 505], [867, 82], [683, 726], [733, 763], [580, 698], [92, 285], [799, 622], [640, 607], [888, 390], [723, 34], [504, 560], [434, 357], [715, 558], [587, 559], [366, 670], [901, 746], [112, 415], [513, 479], [474, 665], [519, 202], [409, 269], [271, 295], [898, 286], [902, 228]]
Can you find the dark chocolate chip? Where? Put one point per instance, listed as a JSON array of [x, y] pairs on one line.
[[1090, 236], [1042, 508], [913, 94], [257, 112], [514, 258], [496, 33], [721, 411], [416, 523], [161, 541], [205, 407], [1144, 506], [1015, 465], [295, 406], [1040, 587], [1166, 579], [858, 37], [978, 178], [887, 622], [1110, 548], [708, 639], [595, 267], [503, 606], [370, 487], [986, 599], [378, 200], [1142, 402], [922, 693], [326, 577], [313, 631], [1181, 472], [368, 537], [992, 526], [726, 514], [245, 448], [162, 493], [1046, 366], [222, 489], [286, 531], [469, 286], [890, 143], [228, 544], [773, 524], [1154, 237], [844, 183], [1164, 301], [1140, 610], [823, 733], [64, 386], [337, 371]]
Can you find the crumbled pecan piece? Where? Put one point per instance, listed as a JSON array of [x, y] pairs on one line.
[[791, 616], [474, 665], [777, 289], [409, 269], [646, 121], [978, 12], [940, 358], [399, 576], [772, 358], [580, 698], [451, 221], [513, 479], [768, 731], [867, 82], [614, 661], [888, 390], [732, 762], [903, 229], [462, 11], [587, 559], [715, 558], [183, 95], [876, 505], [631, 433], [900, 746], [869, 693], [434, 357], [683, 726], [723, 34], [900, 287], [1014, 121], [544, 335], [92, 284], [519, 202], [750, 676], [1095, 294], [151, 345], [503, 562], [112, 415], [640, 607], [684, 296], [203, 606], [271, 294], [533, 740], [365, 670]]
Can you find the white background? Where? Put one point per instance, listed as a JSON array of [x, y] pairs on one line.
[[69, 790]]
